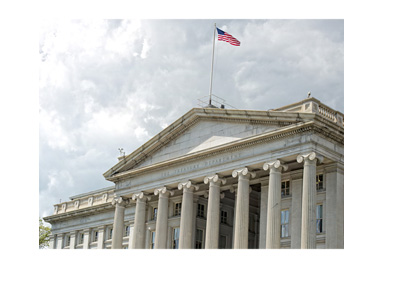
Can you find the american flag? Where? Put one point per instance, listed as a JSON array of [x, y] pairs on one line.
[[224, 36]]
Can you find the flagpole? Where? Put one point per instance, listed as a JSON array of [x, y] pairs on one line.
[[212, 62]]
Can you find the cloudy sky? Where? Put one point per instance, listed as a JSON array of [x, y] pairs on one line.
[[107, 84]]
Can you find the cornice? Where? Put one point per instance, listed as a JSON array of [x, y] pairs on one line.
[[231, 146], [81, 212]]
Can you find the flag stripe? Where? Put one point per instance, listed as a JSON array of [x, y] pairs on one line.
[[224, 36]]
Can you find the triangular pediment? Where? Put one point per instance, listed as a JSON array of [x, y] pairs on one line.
[[202, 129]]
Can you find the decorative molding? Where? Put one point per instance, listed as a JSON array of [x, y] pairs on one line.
[[244, 172], [275, 165], [188, 186], [310, 157], [76, 204], [140, 196], [214, 179], [120, 201], [164, 191]]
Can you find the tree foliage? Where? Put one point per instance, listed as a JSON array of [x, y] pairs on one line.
[[44, 234]]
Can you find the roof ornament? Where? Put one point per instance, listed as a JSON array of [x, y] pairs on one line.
[[121, 152], [309, 94]]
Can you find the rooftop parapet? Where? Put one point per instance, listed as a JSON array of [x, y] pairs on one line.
[[313, 105]]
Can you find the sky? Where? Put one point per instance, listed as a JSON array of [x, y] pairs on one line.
[[109, 84]]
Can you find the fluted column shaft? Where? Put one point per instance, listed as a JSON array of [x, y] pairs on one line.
[[242, 208], [308, 212], [162, 218], [213, 209], [118, 226], [274, 204], [139, 230], [186, 226]]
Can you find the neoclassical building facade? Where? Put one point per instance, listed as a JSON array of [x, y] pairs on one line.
[[220, 178]]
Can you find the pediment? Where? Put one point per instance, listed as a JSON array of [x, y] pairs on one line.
[[199, 130]]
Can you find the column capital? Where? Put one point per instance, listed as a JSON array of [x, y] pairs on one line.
[[275, 165], [120, 201], [243, 172], [309, 157], [216, 179], [164, 191], [188, 186], [140, 196]]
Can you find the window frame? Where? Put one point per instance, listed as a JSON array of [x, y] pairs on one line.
[[285, 225], [319, 181], [175, 237], [285, 189], [198, 242], [319, 220], [201, 210], [177, 208]]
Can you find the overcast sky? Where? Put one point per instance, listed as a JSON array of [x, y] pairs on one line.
[[106, 84]]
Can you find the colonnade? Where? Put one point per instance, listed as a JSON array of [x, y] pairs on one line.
[[241, 225]]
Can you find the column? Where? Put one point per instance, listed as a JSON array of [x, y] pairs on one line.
[[72, 239], [86, 238], [118, 226], [295, 223], [263, 213], [242, 208], [139, 229], [274, 203], [334, 207], [308, 217], [186, 225], [52, 241], [213, 209], [100, 237], [162, 217], [60, 240]]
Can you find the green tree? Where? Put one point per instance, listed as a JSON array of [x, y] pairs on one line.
[[44, 234]]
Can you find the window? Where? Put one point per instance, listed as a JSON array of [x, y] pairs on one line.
[[177, 209], [319, 218], [285, 189], [285, 223], [175, 242], [127, 230], [200, 210], [94, 236], [320, 182], [199, 239], [110, 230], [67, 240], [152, 239], [81, 237], [154, 214], [222, 242], [224, 217]]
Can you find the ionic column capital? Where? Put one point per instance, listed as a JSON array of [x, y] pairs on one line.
[[120, 201], [310, 157], [140, 197], [215, 179], [275, 166], [188, 187], [243, 173], [163, 192]]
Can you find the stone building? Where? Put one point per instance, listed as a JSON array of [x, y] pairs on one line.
[[220, 178]]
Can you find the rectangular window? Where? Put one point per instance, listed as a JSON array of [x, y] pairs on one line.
[[154, 214], [320, 182], [110, 230], [175, 242], [285, 189], [94, 236], [152, 239], [81, 237], [285, 223], [199, 239], [127, 230], [224, 217], [67, 240], [222, 242], [319, 218], [200, 210], [177, 209]]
